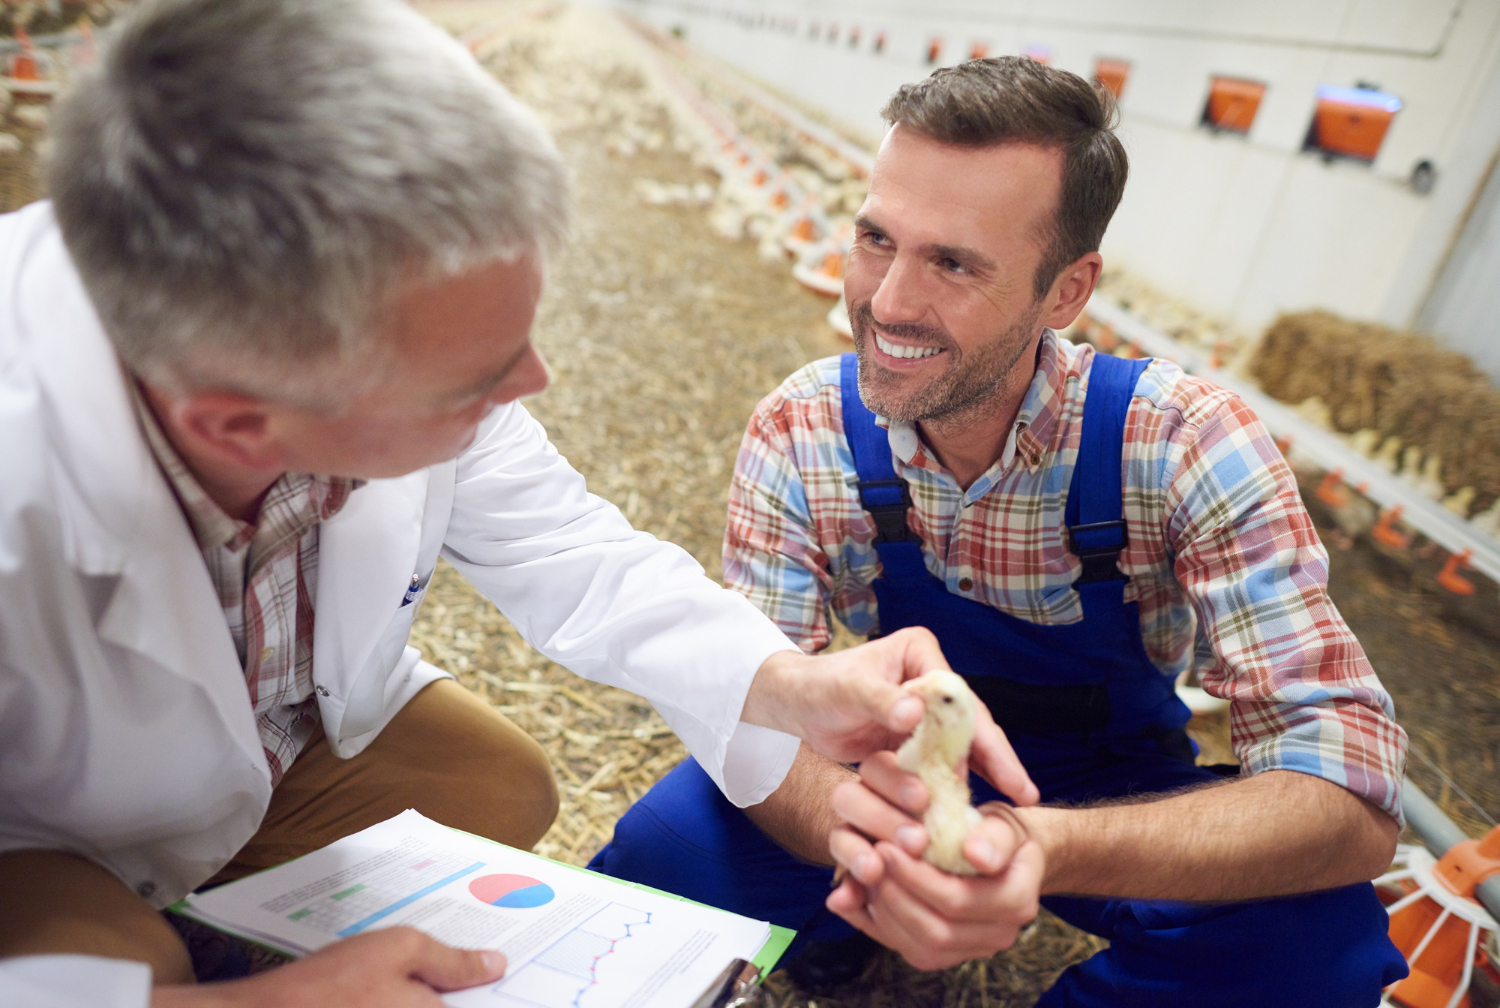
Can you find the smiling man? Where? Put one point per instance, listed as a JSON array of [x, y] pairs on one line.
[[260, 363], [1077, 530]]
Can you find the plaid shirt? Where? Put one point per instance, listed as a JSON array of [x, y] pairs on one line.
[[266, 575], [1222, 557]]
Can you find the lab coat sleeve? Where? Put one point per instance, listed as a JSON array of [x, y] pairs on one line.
[[74, 981], [613, 604]]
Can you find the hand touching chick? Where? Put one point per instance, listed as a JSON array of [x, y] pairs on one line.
[[934, 753]]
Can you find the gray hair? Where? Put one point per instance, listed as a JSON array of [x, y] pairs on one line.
[[242, 185]]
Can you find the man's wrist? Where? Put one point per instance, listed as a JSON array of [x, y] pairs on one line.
[[770, 699], [1048, 828]]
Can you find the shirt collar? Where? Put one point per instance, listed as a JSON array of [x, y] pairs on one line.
[[212, 527], [1038, 417]]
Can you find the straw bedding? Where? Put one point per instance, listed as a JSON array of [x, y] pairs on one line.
[[1399, 383]]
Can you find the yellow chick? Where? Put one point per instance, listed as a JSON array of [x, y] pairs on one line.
[[1388, 454], [933, 753]]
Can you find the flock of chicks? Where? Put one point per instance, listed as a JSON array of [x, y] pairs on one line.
[[1356, 516], [792, 195]]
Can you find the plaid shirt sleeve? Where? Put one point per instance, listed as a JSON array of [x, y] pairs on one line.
[[1245, 552], [771, 551]]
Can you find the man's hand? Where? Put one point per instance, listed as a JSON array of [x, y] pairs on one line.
[[936, 920], [849, 704], [932, 918], [391, 968]]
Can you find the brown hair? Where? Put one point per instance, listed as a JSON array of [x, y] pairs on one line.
[[1014, 99]]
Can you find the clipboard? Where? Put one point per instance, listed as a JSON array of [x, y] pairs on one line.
[[731, 987]]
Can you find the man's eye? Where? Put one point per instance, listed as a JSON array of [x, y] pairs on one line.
[[952, 265]]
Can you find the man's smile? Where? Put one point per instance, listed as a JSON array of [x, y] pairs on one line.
[[903, 351]]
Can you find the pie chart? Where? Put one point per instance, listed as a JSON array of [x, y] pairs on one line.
[[511, 891]]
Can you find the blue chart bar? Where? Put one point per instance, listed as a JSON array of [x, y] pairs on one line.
[[358, 926]]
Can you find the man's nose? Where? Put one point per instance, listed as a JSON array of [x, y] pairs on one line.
[[900, 297], [531, 377]]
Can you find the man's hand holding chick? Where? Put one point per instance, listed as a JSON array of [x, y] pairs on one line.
[[849, 704], [933, 918]]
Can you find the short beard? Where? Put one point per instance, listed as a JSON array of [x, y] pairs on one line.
[[965, 389]]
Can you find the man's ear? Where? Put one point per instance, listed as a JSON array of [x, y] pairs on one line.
[[1071, 289], [235, 427]]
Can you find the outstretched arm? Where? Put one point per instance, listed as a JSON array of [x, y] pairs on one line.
[[1275, 834], [1278, 833]]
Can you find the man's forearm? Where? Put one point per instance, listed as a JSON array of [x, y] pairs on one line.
[[1275, 834], [799, 814]]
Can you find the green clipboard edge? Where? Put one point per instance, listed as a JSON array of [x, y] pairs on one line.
[[770, 953]]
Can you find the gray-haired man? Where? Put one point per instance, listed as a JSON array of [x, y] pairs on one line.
[[258, 363]]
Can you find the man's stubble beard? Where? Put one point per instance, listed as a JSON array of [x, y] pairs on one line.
[[964, 390]]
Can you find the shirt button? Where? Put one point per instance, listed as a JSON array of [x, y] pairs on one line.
[[266, 653], [965, 584], [322, 691], [145, 889]]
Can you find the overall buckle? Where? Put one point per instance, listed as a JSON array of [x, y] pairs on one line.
[[889, 514], [1098, 550]]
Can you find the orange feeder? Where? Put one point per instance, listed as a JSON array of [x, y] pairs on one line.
[[1332, 490], [23, 65], [979, 50], [1386, 533], [1232, 104], [1437, 924], [1112, 73], [1450, 578], [934, 50], [1351, 122], [827, 277], [1105, 338]]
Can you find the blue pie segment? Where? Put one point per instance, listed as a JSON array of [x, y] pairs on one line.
[[513, 891]]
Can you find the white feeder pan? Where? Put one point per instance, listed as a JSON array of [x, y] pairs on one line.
[[838, 317], [815, 280], [16, 85], [1417, 867]]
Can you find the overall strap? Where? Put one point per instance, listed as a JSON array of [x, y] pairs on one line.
[[881, 492], [1095, 510]]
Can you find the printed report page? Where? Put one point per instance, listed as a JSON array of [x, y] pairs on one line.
[[573, 939]]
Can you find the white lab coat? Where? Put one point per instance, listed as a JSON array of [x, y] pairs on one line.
[[126, 734]]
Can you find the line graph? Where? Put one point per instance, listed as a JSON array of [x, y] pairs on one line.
[[562, 975]]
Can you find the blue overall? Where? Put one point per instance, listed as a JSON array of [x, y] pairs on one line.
[[1090, 717]]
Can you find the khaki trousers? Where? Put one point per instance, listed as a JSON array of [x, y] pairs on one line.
[[447, 754]]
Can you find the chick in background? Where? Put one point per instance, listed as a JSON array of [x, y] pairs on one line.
[[936, 753]]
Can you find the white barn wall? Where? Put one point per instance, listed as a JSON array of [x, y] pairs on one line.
[[1243, 227]]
